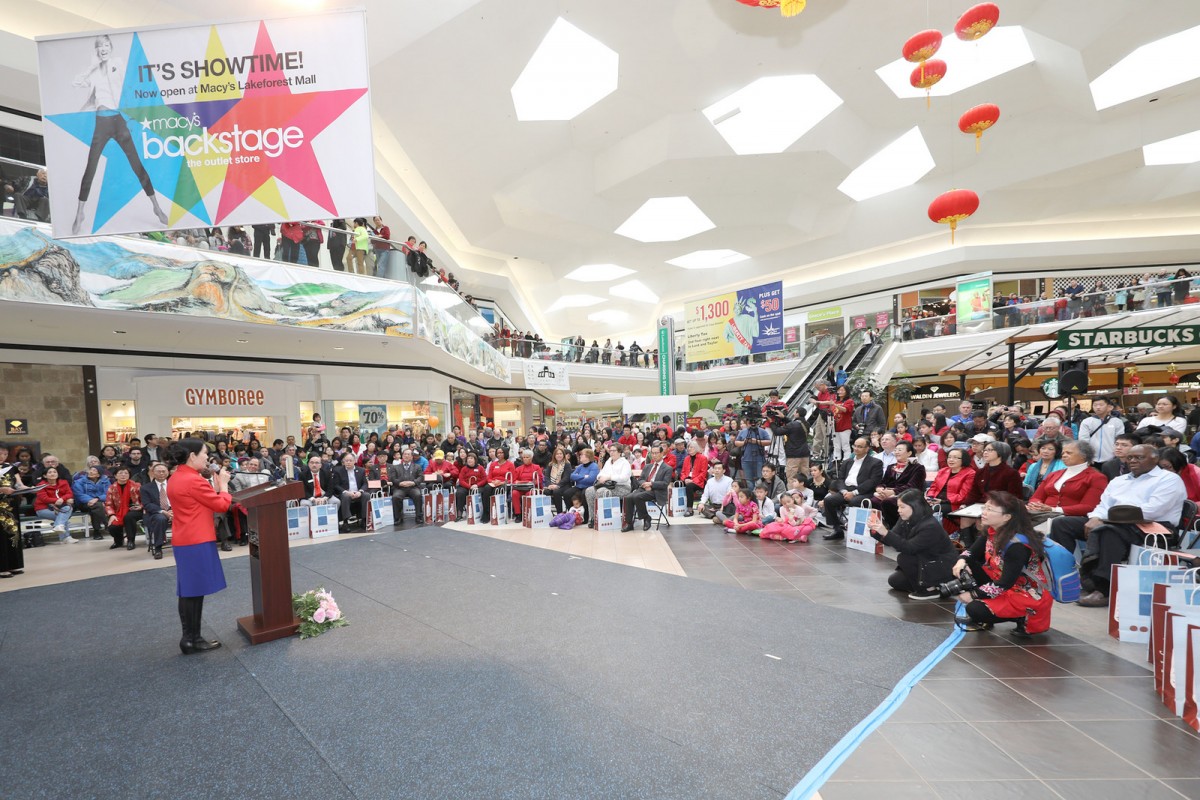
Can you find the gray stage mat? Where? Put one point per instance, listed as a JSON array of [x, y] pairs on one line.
[[472, 668]]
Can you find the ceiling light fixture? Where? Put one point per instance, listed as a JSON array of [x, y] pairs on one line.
[[575, 301], [1150, 68], [665, 219], [708, 259], [635, 291], [594, 273], [902, 163], [1002, 50], [242, 341], [568, 73], [771, 114], [1183, 149], [611, 316], [338, 348]]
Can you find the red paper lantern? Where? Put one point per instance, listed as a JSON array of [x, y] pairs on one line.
[[925, 76], [978, 119], [788, 8], [977, 21], [953, 206], [921, 47]]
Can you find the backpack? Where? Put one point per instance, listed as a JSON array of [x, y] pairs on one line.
[[1061, 570]]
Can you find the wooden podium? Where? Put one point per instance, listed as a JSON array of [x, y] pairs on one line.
[[270, 561]]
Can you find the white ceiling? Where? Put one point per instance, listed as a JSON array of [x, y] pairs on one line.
[[522, 204]]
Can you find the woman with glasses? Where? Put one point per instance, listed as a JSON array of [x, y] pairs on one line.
[[1012, 585], [994, 476]]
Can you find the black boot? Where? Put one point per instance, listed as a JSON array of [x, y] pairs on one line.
[[198, 642], [838, 533], [185, 617]]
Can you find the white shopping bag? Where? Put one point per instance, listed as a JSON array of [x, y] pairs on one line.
[[608, 513], [1131, 596], [474, 506], [676, 499], [322, 521], [499, 509], [297, 520], [536, 511], [382, 514], [858, 530], [451, 513]]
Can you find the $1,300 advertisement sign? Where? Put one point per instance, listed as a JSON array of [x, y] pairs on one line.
[[208, 125], [736, 323]]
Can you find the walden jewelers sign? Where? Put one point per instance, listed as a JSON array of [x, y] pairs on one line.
[[1171, 336]]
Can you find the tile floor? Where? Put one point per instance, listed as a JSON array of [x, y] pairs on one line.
[[1069, 714]]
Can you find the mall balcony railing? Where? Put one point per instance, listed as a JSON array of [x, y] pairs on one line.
[[18, 177], [1153, 293]]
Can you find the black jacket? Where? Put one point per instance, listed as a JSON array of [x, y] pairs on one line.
[[869, 418], [326, 478], [663, 477], [870, 475], [919, 544], [796, 445], [341, 479]]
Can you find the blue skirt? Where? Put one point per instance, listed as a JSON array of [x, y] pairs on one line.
[[198, 570]]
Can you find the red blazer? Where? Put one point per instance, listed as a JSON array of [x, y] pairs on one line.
[[957, 486], [194, 502], [1002, 478], [501, 471], [465, 474], [696, 468], [118, 502], [435, 468], [528, 473], [49, 493], [1079, 495]]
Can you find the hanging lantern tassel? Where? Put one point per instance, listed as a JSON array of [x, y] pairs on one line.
[[790, 8], [921, 47], [928, 74], [978, 119], [953, 206], [977, 21]]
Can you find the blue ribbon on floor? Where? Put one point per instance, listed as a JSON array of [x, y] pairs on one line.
[[816, 777]]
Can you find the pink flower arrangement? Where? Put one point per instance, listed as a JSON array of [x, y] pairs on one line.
[[318, 612]]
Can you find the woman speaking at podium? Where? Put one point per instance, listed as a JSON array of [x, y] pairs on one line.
[[194, 538]]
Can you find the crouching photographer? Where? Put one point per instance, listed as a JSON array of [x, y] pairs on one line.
[[1001, 577], [925, 552]]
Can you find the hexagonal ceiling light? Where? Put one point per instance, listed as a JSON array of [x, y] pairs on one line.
[[771, 114], [665, 219], [568, 73], [902, 163], [635, 291], [594, 273], [1155, 66], [708, 259]]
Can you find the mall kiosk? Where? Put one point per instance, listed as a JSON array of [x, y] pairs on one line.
[[270, 561]]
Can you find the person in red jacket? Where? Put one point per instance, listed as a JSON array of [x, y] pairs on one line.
[[627, 437], [694, 474], [123, 504], [440, 471], [1073, 491], [527, 476], [55, 501], [951, 487], [499, 474], [470, 474], [194, 501]]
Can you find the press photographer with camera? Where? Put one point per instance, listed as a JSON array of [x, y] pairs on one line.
[[925, 552], [868, 416], [752, 442], [1001, 577]]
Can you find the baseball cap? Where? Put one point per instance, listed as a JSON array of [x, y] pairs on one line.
[[983, 437], [438, 454]]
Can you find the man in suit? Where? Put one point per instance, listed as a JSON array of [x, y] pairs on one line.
[[350, 485], [656, 477], [156, 508], [406, 479], [868, 416], [318, 484], [863, 474]]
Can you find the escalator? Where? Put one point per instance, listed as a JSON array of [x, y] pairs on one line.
[[849, 353]]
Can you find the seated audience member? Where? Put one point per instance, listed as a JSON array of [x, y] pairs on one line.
[[1009, 572], [901, 476], [716, 489], [556, 478], [318, 481], [766, 506], [350, 486], [793, 522], [1147, 494], [1116, 466], [772, 482], [652, 485], [54, 501], [745, 517], [863, 474], [614, 479], [406, 479], [157, 513], [694, 473], [470, 475], [1174, 461], [499, 475], [925, 553], [440, 471], [583, 477], [1049, 459], [123, 507], [91, 490], [951, 487], [994, 476], [526, 477], [818, 483], [1073, 490]]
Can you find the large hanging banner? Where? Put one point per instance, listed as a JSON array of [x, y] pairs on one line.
[[236, 123], [973, 303], [735, 323]]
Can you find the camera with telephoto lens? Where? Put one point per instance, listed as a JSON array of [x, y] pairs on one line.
[[751, 410], [965, 582]]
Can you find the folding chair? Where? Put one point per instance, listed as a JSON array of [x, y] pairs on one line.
[[660, 514]]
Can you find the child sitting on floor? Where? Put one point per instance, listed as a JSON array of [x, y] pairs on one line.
[[572, 516], [766, 506], [745, 515], [793, 523]]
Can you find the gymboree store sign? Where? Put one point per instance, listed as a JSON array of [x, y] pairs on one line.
[[216, 398], [1171, 336]]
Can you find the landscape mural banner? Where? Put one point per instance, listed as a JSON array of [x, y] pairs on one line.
[[134, 274], [735, 323], [190, 126]]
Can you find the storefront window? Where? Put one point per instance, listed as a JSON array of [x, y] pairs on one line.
[[118, 418], [419, 414], [464, 408], [510, 414], [236, 429]]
